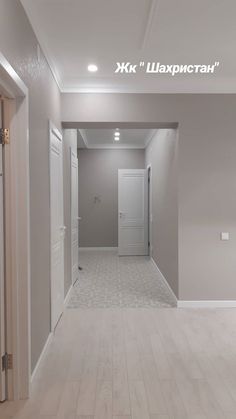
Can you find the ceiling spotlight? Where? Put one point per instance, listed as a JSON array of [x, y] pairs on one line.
[[117, 134], [117, 138], [92, 68]]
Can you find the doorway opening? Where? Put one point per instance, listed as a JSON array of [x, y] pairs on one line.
[[115, 216]]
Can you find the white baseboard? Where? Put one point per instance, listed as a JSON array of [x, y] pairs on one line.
[[97, 248], [196, 303], [67, 297], [48, 341], [42, 355], [164, 279], [206, 304]]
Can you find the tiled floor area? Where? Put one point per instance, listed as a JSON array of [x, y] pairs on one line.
[[136, 364], [110, 281]]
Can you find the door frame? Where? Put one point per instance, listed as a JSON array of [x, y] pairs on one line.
[[71, 218], [17, 225], [2, 262], [54, 130], [150, 216]]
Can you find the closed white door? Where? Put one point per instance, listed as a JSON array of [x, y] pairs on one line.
[[74, 217], [57, 226], [133, 212], [2, 282]]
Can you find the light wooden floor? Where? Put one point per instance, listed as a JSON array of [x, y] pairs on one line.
[[136, 363]]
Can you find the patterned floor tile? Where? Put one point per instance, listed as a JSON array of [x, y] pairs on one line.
[[110, 281]]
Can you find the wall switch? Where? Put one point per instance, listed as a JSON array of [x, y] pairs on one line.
[[224, 236]]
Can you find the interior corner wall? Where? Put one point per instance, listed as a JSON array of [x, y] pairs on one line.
[[206, 177], [19, 46], [98, 177], [162, 154], [69, 143]]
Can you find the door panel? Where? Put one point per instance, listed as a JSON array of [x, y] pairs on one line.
[[74, 217], [57, 227], [133, 212], [2, 281]]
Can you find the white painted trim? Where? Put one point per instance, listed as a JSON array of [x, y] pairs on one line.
[[13, 80], [206, 304], [48, 341], [116, 146], [53, 130], [196, 303], [67, 297], [42, 356], [150, 216], [164, 88], [121, 89], [17, 226], [74, 155], [97, 248], [164, 279]]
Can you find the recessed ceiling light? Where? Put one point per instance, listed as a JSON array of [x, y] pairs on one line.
[[92, 68], [117, 138], [117, 134]]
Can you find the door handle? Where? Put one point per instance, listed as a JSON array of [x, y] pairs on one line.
[[79, 218]]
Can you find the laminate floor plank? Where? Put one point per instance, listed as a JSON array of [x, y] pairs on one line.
[[136, 363], [138, 399], [103, 406], [155, 399], [121, 397], [68, 402]]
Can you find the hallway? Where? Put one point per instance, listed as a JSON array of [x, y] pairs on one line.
[[117, 132], [110, 281], [136, 363]]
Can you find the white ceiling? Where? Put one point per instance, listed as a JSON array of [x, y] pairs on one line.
[[74, 33], [104, 138]]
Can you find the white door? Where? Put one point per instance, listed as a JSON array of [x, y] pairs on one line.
[[57, 226], [133, 212], [74, 217], [2, 284]]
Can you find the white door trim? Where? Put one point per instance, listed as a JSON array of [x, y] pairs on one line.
[[53, 131], [206, 304], [150, 216], [17, 225], [165, 281], [73, 155], [2, 264]]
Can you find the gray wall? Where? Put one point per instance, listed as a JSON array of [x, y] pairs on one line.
[[69, 142], [19, 45], [206, 176], [161, 154], [98, 176]]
